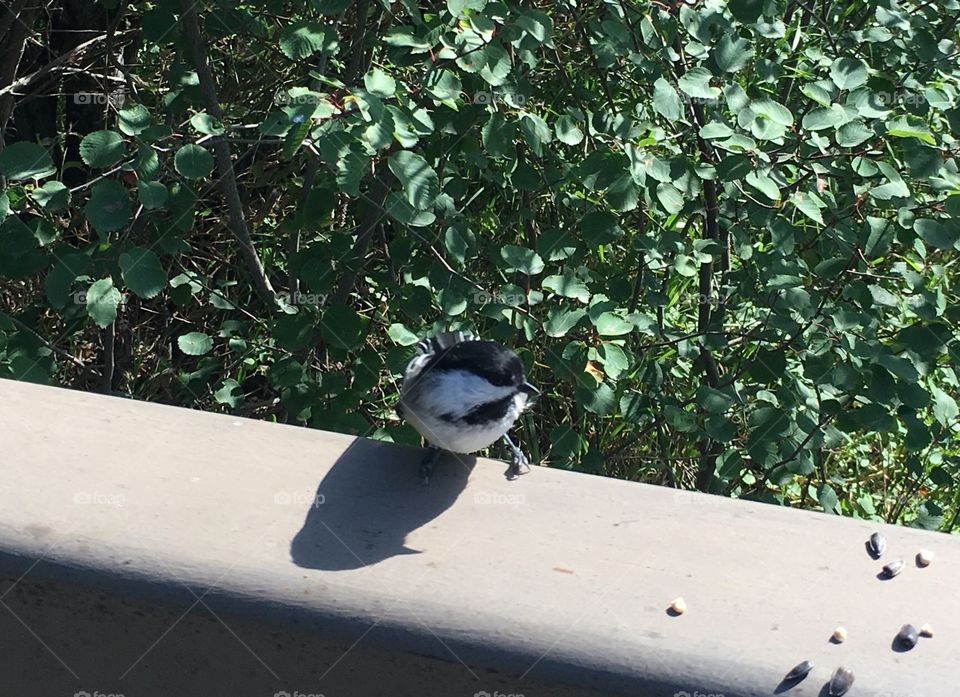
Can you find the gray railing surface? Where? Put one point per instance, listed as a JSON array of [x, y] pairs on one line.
[[152, 550]]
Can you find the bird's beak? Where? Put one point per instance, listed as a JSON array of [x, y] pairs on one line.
[[529, 389]]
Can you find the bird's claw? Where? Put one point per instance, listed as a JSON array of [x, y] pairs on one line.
[[518, 465]]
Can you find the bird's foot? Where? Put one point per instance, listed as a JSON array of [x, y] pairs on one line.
[[426, 465], [519, 464]]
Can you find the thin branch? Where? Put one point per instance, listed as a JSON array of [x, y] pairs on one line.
[[237, 221]]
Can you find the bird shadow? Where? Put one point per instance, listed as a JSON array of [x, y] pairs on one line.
[[371, 500]]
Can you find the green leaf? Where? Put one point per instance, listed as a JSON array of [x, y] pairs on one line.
[[421, 185], [102, 301], [852, 134], [567, 444], [560, 321], [600, 401], [713, 401], [302, 39], [696, 83], [567, 286], [763, 184], [524, 260], [537, 24], [666, 101], [936, 234], [101, 149], [193, 161], [824, 117], [567, 130], [109, 206], [207, 124], [342, 327], [732, 53], [463, 8], [195, 343], [22, 160], [809, 204], [945, 408], [52, 196], [225, 395], [446, 87], [746, 11], [152, 194], [614, 360], [58, 282], [670, 197], [895, 186], [849, 73], [142, 272], [401, 335], [379, 83], [828, 498], [611, 324], [134, 120], [902, 127]]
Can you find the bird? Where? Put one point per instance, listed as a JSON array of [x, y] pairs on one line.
[[463, 394]]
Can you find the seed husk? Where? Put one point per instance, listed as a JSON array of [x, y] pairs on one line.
[[926, 631], [799, 672], [839, 635], [893, 568], [924, 557], [907, 637], [877, 545], [840, 682]]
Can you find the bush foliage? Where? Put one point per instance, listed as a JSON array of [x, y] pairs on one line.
[[722, 236]]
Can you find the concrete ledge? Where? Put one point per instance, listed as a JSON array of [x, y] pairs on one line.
[[154, 550]]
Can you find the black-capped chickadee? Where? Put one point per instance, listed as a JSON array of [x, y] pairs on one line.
[[463, 394]]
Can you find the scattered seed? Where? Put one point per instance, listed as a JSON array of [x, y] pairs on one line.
[[679, 606], [877, 545], [840, 682], [799, 672], [907, 637], [839, 635], [924, 557], [893, 568], [926, 630]]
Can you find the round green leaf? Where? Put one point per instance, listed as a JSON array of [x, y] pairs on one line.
[[195, 343], [732, 53], [101, 149], [102, 301], [142, 272], [193, 161], [152, 194], [109, 206], [206, 124], [567, 130], [379, 83], [525, 260], [611, 324], [849, 73], [22, 160], [134, 120]]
